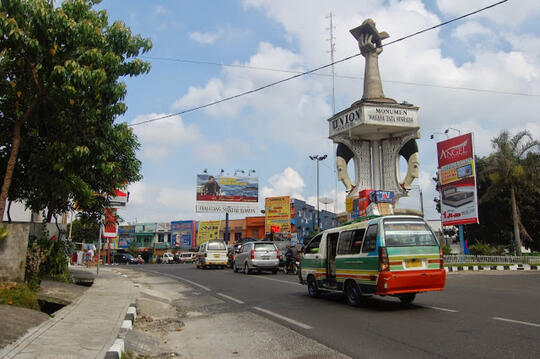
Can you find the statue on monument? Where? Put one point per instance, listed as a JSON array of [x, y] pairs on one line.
[[370, 44]]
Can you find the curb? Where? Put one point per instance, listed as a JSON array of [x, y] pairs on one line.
[[514, 267], [117, 349]]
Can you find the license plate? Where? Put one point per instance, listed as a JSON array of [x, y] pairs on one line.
[[265, 257], [413, 263], [216, 255]]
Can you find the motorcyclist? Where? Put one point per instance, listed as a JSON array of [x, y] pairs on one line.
[[291, 255]]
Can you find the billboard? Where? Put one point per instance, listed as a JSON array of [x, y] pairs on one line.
[[183, 233], [227, 194], [457, 180], [110, 230], [277, 214], [208, 231]]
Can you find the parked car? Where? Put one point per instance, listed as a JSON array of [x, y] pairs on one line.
[[167, 258], [212, 254], [260, 255], [125, 258]]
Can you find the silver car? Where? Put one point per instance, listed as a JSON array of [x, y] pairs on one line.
[[256, 256]]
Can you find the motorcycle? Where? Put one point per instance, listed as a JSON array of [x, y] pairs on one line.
[[291, 267]]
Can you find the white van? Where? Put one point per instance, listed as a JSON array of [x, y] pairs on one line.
[[212, 254]]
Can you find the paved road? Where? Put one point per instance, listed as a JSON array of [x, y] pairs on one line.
[[479, 315]]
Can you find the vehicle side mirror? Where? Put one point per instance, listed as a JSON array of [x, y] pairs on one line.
[[314, 250]]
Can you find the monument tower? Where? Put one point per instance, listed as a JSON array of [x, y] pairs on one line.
[[375, 130]]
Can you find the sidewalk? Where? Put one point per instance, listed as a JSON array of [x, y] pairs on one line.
[[84, 329]]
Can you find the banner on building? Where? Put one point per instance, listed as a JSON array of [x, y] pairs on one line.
[[183, 233], [278, 214], [457, 178], [227, 194], [208, 231]]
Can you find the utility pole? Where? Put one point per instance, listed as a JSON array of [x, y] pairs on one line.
[[318, 159], [332, 51]]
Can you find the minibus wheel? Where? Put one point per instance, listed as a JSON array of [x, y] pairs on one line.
[[407, 298], [353, 294], [313, 291]]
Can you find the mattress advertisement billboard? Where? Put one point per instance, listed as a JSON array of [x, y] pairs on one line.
[[227, 194], [457, 176], [277, 214]]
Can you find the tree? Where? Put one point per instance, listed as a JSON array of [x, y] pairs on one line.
[[510, 167], [85, 230], [59, 96]]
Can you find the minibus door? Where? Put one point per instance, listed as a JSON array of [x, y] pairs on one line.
[[331, 247]]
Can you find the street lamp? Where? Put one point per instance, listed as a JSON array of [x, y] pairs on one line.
[[451, 128], [318, 159], [421, 198], [438, 133], [241, 171], [250, 172]]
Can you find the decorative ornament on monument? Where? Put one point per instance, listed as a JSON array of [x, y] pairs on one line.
[[375, 132]]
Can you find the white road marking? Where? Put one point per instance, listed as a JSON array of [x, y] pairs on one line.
[[517, 322], [279, 316], [442, 309], [230, 298], [277, 280], [184, 279]]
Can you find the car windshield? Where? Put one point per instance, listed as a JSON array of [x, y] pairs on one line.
[[264, 247], [216, 246], [406, 232]]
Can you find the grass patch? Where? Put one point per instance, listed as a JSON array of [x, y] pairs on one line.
[[19, 295]]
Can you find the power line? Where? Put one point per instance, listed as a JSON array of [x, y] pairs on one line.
[[310, 71], [349, 77]]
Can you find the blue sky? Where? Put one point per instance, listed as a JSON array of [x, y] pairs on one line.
[[275, 130]]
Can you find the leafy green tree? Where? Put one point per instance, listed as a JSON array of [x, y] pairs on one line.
[[60, 92], [85, 229], [511, 167]]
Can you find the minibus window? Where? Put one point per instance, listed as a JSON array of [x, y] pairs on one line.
[[357, 241], [345, 240], [216, 246], [401, 233], [313, 244], [370, 243]]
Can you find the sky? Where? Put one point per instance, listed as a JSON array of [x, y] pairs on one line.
[[479, 74]]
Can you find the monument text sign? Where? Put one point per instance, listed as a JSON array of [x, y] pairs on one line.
[[366, 115], [457, 180]]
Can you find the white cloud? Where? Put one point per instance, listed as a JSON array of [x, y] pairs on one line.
[[510, 13], [160, 138], [287, 183], [206, 38], [154, 203], [222, 152], [471, 30]]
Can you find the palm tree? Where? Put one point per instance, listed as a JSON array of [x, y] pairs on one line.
[[509, 167]]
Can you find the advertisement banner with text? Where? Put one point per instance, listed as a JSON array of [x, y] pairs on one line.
[[227, 194], [278, 214], [457, 181], [208, 231]]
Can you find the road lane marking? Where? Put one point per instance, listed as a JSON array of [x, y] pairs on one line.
[[183, 279], [517, 322], [279, 316], [442, 309], [230, 298], [279, 280]]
